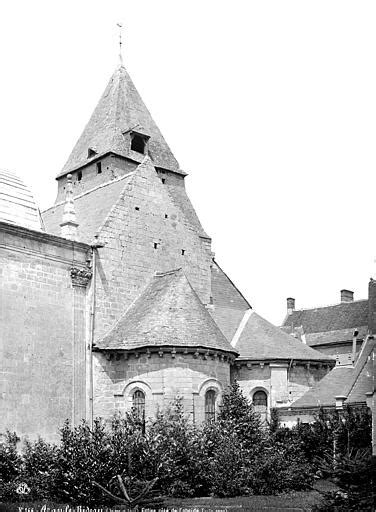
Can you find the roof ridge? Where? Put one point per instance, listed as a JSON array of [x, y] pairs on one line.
[[101, 185], [328, 305]]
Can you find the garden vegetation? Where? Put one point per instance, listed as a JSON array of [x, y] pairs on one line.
[[236, 455]]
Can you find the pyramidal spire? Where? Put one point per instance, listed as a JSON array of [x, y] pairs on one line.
[[119, 117], [69, 223]]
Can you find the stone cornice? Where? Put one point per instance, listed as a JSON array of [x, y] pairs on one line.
[[172, 351], [42, 236]]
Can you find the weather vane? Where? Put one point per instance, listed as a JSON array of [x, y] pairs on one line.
[[120, 42]]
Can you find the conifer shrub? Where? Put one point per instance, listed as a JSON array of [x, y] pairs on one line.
[[10, 465]]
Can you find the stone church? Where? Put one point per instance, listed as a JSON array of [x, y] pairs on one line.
[[112, 298]]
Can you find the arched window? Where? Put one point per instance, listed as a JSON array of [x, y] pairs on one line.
[[260, 398], [138, 403], [210, 405]]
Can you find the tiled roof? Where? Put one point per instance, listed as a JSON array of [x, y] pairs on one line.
[[119, 111], [261, 340], [167, 313], [92, 208], [229, 304], [352, 382], [17, 205], [330, 323], [333, 337]]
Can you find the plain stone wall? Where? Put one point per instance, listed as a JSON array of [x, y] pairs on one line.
[[128, 260], [282, 389], [302, 379], [37, 326], [162, 379]]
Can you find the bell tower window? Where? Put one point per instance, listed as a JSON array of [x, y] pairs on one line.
[[138, 143]]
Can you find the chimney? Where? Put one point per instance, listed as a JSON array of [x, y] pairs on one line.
[[347, 296], [372, 306], [290, 305], [69, 223]]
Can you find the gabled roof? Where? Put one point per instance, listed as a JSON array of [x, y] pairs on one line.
[[119, 111], [167, 313], [261, 340], [330, 324], [17, 205], [352, 382], [92, 208]]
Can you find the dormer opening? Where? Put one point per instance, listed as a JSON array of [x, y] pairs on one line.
[[138, 143], [91, 152]]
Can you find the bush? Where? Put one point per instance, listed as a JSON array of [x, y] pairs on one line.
[[355, 475]]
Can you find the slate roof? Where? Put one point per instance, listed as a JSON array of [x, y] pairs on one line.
[[17, 204], [261, 340], [352, 382], [330, 324], [119, 111], [92, 208], [229, 305], [167, 313]]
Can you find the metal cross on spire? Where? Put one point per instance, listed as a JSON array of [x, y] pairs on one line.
[[120, 43]]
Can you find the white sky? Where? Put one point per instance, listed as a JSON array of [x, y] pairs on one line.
[[269, 105]]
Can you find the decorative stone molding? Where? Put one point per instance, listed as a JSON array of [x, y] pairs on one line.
[[80, 276]]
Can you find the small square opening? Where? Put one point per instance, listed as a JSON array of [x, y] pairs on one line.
[[138, 143]]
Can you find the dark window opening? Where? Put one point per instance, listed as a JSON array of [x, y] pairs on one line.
[[210, 405], [138, 404], [137, 208], [163, 180], [99, 167], [166, 216], [155, 245], [138, 143], [260, 398], [91, 152], [79, 175], [182, 252]]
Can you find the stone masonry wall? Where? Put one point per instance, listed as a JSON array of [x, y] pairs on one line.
[[112, 167], [38, 331], [145, 233], [161, 379], [300, 378]]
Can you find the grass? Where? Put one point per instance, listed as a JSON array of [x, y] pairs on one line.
[[292, 502]]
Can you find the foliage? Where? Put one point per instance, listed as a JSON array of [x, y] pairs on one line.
[[332, 431], [10, 466], [355, 475], [235, 455]]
